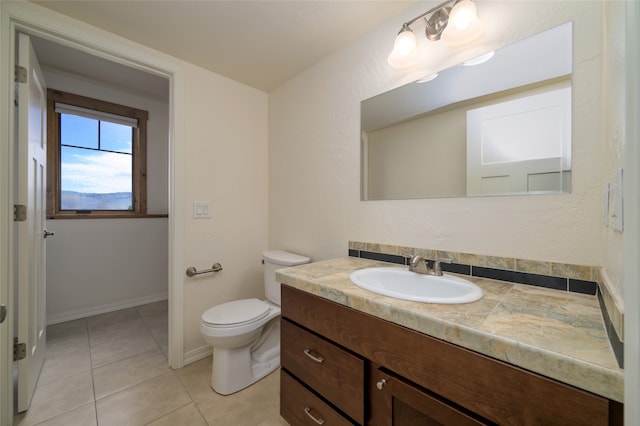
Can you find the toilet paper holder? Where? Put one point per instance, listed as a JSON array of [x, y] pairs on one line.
[[192, 271]]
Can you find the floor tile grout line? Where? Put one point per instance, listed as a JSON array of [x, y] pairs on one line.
[[130, 385], [128, 357], [168, 413], [158, 348], [193, 400], [146, 324], [93, 381]]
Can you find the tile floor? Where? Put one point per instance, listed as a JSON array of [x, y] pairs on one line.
[[112, 369]]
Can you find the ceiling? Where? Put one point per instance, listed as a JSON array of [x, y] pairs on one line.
[[54, 57], [258, 43]]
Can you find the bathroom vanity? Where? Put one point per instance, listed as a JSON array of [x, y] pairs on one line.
[[352, 357]]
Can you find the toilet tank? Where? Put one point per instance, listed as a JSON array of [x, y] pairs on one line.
[[274, 260]]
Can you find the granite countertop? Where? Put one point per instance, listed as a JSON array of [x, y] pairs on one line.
[[558, 334]]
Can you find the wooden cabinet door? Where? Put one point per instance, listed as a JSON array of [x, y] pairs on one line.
[[400, 403]]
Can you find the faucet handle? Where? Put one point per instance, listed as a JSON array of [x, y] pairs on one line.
[[437, 270]]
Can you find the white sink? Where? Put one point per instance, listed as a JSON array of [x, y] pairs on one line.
[[403, 284]]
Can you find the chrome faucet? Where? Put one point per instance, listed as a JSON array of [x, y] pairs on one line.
[[419, 265]]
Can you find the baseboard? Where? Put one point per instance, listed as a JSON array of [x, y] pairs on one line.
[[197, 354], [103, 309]]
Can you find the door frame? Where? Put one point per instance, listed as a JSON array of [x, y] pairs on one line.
[[631, 236], [41, 22]]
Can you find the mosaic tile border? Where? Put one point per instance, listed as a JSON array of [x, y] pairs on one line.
[[613, 316], [590, 280]]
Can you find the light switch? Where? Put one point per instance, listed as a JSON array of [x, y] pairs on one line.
[[202, 209]]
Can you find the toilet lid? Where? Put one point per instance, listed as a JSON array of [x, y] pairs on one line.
[[236, 312]]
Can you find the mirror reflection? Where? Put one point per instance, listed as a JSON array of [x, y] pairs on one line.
[[500, 125]]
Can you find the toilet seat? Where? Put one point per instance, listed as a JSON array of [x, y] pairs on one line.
[[236, 313]]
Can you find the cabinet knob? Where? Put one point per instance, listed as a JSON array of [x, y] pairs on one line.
[[381, 384]]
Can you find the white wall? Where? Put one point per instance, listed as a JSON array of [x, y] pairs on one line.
[[99, 265], [96, 266], [225, 163], [613, 147], [314, 152]]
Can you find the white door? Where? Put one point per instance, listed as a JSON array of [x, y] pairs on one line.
[[520, 146], [32, 157]]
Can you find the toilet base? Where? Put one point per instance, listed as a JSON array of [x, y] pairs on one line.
[[236, 369]]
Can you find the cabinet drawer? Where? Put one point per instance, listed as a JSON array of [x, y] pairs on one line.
[[300, 407], [324, 367]]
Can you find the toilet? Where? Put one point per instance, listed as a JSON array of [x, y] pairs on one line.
[[245, 334]]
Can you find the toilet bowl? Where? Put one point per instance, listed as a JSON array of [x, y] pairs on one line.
[[245, 333]]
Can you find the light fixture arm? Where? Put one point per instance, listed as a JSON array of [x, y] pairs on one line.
[[435, 25], [430, 11]]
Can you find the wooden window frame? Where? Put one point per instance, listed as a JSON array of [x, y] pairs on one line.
[[139, 152]]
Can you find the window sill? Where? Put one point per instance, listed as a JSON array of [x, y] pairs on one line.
[[105, 216]]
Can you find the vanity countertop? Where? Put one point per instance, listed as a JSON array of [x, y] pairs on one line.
[[558, 334]]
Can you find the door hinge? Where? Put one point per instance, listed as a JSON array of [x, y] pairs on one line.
[[19, 212], [19, 350], [21, 74]]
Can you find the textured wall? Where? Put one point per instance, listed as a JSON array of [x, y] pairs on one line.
[[613, 96], [225, 163], [314, 152]]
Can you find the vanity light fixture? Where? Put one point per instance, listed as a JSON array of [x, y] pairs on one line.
[[455, 21]]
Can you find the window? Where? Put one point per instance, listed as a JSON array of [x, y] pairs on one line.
[[96, 158]]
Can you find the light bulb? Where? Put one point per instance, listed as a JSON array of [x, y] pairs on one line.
[[405, 43], [464, 25], [463, 14], [405, 50]]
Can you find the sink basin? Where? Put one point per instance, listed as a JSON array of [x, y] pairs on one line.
[[403, 284]]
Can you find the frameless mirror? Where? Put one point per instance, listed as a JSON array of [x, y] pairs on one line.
[[499, 125]]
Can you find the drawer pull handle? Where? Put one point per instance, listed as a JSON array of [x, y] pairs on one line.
[[381, 384], [307, 411], [314, 356]]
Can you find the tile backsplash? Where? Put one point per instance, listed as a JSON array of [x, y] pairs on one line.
[[590, 280]]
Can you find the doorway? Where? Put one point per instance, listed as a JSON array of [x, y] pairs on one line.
[[96, 265], [23, 18]]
